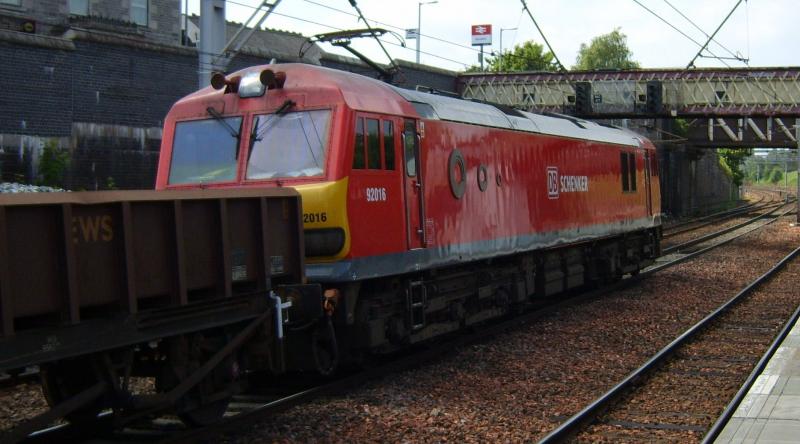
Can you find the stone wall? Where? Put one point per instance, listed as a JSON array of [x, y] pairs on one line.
[[693, 182], [52, 18]]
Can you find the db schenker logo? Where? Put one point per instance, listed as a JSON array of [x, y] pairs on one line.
[[552, 182]]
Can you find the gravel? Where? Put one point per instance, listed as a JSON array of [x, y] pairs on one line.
[[12, 187]]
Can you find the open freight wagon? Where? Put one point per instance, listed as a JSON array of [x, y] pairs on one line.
[[174, 285]]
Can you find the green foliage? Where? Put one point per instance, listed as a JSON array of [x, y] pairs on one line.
[[776, 176], [110, 184], [529, 56], [725, 168], [680, 127], [608, 51], [733, 159], [53, 164]]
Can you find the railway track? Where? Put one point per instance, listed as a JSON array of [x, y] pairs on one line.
[[680, 233], [674, 229], [252, 405], [676, 394], [692, 247]]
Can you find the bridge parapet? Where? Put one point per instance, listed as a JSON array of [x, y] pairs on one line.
[[736, 92]]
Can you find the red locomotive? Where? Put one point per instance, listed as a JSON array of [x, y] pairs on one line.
[[422, 213]]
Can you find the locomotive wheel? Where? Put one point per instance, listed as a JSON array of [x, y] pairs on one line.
[[206, 402], [66, 379]]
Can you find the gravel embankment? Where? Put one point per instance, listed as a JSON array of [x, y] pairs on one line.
[[520, 385]]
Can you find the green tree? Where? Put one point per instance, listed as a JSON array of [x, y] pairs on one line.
[[608, 51], [529, 56], [734, 158]]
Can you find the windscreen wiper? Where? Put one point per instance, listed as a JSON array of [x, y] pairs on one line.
[[218, 117], [255, 137]]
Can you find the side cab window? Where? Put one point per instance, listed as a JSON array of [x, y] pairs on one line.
[[627, 162], [374, 144]]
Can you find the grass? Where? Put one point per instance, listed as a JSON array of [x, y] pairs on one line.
[[792, 181]]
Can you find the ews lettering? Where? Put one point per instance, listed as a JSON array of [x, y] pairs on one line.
[[92, 229]]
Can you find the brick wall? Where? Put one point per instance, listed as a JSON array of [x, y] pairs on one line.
[[103, 101], [37, 91]]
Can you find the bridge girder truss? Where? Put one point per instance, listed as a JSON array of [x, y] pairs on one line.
[[748, 92]]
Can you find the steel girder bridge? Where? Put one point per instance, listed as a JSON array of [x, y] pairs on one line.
[[747, 107]]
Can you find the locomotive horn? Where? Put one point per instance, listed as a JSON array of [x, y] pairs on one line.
[[267, 78], [272, 79], [218, 80]]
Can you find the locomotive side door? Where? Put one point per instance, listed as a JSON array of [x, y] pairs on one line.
[[647, 178], [415, 211]]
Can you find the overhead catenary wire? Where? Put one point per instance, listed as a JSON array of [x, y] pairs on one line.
[[342, 29], [691, 63], [558, 62], [735, 56], [678, 30], [428, 36], [389, 25], [361, 16]]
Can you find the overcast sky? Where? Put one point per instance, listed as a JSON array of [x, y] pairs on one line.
[[765, 31]]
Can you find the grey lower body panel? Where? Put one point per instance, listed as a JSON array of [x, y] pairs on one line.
[[426, 258]]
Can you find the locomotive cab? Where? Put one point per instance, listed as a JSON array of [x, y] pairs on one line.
[[286, 125]]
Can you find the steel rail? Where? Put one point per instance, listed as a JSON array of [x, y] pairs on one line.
[[730, 409], [704, 223], [693, 224], [687, 256], [590, 413], [677, 248], [722, 213]]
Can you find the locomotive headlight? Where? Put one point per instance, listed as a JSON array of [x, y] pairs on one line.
[[324, 241], [251, 85]]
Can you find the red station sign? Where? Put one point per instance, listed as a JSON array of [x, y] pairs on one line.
[[481, 35]]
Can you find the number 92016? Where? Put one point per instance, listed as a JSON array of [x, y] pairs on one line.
[[376, 194]]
